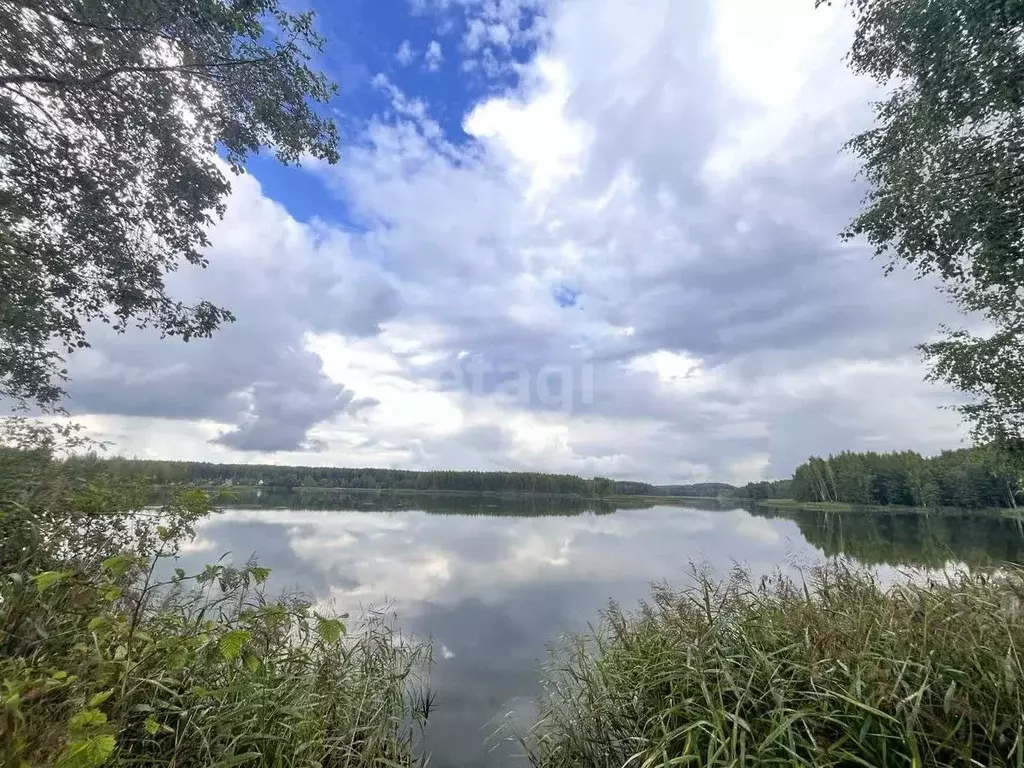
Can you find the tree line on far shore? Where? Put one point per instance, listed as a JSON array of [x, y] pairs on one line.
[[968, 478], [206, 473]]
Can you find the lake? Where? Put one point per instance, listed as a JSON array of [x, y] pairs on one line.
[[494, 581]]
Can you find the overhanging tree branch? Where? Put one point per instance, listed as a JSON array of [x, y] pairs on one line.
[[66, 18], [88, 82], [106, 187]]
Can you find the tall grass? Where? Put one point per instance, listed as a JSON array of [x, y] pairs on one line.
[[109, 655], [833, 669]]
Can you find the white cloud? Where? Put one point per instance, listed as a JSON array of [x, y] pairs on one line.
[[674, 168], [476, 34], [405, 53], [493, 28], [531, 129], [433, 56]]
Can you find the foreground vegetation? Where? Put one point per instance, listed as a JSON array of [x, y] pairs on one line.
[[110, 655], [834, 670]]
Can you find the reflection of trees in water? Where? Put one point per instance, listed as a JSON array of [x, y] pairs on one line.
[[493, 504], [433, 503], [910, 538], [873, 537], [441, 503]]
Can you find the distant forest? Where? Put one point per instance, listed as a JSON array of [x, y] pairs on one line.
[[273, 476], [969, 478]]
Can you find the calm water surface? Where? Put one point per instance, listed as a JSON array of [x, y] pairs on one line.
[[494, 582]]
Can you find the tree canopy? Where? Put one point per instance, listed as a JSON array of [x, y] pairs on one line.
[[112, 115], [966, 478], [945, 164], [370, 478]]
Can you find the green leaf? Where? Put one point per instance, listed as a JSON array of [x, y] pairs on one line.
[[329, 629], [117, 565], [86, 719], [47, 579], [96, 622], [112, 594], [87, 753], [179, 574], [943, 163], [151, 725], [210, 573], [230, 643], [252, 661], [176, 659], [259, 573], [274, 614], [98, 698]]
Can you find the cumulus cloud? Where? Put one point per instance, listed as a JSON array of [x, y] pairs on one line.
[[433, 56], [283, 280], [405, 53], [675, 169]]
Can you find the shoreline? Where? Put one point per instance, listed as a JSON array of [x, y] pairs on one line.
[[781, 505]]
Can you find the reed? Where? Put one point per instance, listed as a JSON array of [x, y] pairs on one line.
[[831, 668]]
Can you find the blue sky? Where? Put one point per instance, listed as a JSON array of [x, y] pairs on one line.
[[577, 236], [370, 38]]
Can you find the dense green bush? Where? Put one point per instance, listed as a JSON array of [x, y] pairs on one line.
[[111, 655], [832, 671]]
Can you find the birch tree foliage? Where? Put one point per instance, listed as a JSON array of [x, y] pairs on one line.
[[112, 113], [945, 168]]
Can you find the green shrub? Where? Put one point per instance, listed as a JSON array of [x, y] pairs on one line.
[[110, 655], [833, 670]]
